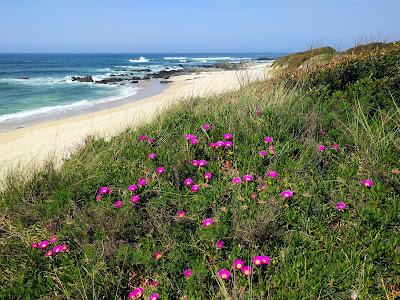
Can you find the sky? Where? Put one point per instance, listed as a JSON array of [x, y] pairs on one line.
[[157, 26]]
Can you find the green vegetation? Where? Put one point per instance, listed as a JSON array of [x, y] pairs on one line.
[[316, 251]]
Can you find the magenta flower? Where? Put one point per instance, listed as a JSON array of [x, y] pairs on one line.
[[272, 174], [157, 255], [53, 239], [43, 244], [208, 176], [195, 162], [259, 112], [219, 244], [57, 249], [104, 190], [202, 163], [224, 274], [228, 136], [150, 140], [228, 144], [34, 245], [261, 260], [154, 283], [194, 141], [254, 196], [98, 197], [220, 143], [212, 145], [118, 204], [181, 214], [263, 153], [335, 146], [195, 188], [132, 187], [135, 198], [322, 133], [367, 183], [268, 139], [321, 148], [271, 149], [136, 293], [154, 296], [188, 181], [238, 264], [160, 170], [207, 222], [247, 270], [247, 178], [152, 155], [64, 247], [143, 137], [142, 182], [187, 273], [206, 127], [49, 253], [236, 180], [340, 206], [287, 194]]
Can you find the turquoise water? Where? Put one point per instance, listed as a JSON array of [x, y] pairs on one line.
[[32, 84]]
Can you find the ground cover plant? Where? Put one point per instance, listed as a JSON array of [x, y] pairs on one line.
[[284, 189]]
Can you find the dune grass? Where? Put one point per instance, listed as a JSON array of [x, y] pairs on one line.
[[316, 251]]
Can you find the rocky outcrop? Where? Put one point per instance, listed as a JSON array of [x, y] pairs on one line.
[[109, 80], [82, 79]]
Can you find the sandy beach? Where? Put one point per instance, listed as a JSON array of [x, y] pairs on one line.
[[58, 138]]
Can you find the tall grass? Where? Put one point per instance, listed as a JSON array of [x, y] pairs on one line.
[[316, 251]]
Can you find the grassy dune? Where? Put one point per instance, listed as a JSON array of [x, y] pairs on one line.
[[332, 127]]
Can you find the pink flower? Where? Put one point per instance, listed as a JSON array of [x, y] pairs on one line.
[[34, 245], [157, 255], [150, 140], [220, 144], [187, 273], [43, 244], [118, 204], [340, 206], [57, 249], [104, 190], [238, 264], [247, 270], [207, 222], [188, 181], [236, 180], [98, 197], [206, 127], [219, 244], [154, 296], [254, 196], [247, 178], [287, 194], [64, 247], [160, 170], [195, 188], [195, 162], [322, 133], [260, 260], [154, 283], [228, 136], [53, 239], [194, 141], [321, 148], [263, 153], [135, 198], [49, 253], [268, 139], [259, 112], [272, 174], [152, 155], [271, 149], [208, 176], [367, 183], [136, 293], [181, 214], [212, 145], [132, 187], [228, 144], [335, 146], [142, 182], [202, 163], [224, 274], [143, 137]]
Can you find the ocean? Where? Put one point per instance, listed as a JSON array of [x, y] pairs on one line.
[[40, 85]]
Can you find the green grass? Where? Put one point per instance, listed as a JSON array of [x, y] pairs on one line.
[[316, 251]]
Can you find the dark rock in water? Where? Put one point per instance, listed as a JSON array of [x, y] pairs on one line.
[[265, 58], [82, 79], [146, 77], [166, 73], [165, 81], [140, 70], [135, 78], [135, 81], [25, 78], [109, 80], [166, 77]]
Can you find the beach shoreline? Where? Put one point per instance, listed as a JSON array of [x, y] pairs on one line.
[[35, 143]]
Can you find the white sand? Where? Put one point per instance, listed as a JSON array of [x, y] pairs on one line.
[[34, 144]]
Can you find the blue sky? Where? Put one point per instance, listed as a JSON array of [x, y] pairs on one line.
[[192, 25]]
